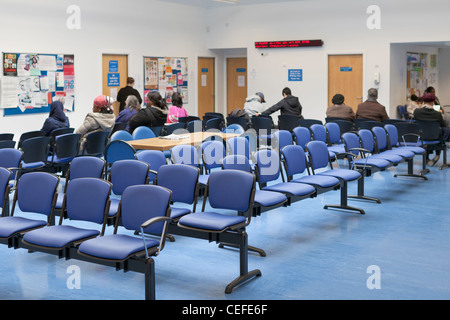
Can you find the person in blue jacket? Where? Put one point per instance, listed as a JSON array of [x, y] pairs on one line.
[[57, 119]]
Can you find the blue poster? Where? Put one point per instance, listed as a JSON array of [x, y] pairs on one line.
[[113, 66], [295, 75], [113, 79]]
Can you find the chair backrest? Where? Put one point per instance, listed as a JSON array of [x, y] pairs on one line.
[[369, 124], [185, 154], [319, 132], [10, 158], [183, 190], [87, 199], [231, 189], [242, 121], [143, 132], [351, 141], [154, 158], [119, 126], [334, 132], [6, 136], [141, 203], [318, 154], [194, 126], [86, 167], [308, 122], [344, 125], [402, 111], [188, 119], [287, 122], [431, 130], [7, 144], [35, 149], [252, 138], [118, 150], [282, 138], [392, 134], [214, 123], [35, 193], [125, 173], [408, 132], [5, 177], [234, 128], [302, 136], [157, 130], [67, 145], [60, 131], [95, 143], [171, 128], [236, 162], [28, 135], [212, 153], [262, 125], [381, 138], [121, 135], [294, 159], [239, 146], [367, 140], [267, 165]]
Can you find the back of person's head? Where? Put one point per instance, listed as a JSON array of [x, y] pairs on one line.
[[338, 99], [104, 103], [132, 102], [177, 99], [429, 97], [130, 80], [287, 91], [414, 97], [156, 99], [430, 90], [372, 93]]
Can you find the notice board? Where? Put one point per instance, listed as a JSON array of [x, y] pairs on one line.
[[166, 75], [32, 81]]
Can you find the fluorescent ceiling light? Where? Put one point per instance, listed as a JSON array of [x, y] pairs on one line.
[[228, 1]]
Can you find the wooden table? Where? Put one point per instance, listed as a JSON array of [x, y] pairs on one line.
[[195, 138]]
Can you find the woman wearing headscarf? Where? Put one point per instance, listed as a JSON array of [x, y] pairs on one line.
[[154, 115], [57, 119]]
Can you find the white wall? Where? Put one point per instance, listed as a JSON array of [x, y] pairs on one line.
[[136, 28]]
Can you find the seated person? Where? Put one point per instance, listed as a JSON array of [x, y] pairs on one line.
[[371, 109], [412, 105], [427, 113], [132, 107], [289, 105], [154, 115], [254, 104], [101, 118], [177, 110], [57, 119], [339, 109]]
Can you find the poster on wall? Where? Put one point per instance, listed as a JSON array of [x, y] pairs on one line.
[[32, 81], [166, 75], [421, 72]]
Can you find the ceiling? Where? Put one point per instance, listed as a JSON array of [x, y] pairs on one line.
[[223, 3]]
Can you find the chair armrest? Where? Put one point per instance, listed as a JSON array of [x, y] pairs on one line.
[[154, 220], [163, 234]]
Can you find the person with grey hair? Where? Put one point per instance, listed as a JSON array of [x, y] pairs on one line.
[[132, 106], [339, 109], [371, 109]]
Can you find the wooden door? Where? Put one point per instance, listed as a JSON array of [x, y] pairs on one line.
[[345, 76], [236, 83], [206, 86], [115, 73]]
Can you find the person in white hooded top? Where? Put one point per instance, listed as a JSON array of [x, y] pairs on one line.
[[254, 104]]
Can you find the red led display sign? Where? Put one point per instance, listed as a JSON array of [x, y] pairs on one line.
[[288, 44]]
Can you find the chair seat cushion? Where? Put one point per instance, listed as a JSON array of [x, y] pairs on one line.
[[115, 247], [178, 212], [57, 160], [416, 150], [210, 221], [32, 165], [343, 174], [203, 179], [58, 236], [394, 158], [405, 153], [292, 188], [337, 148], [317, 180], [269, 198], [373, 162], [12, 225]]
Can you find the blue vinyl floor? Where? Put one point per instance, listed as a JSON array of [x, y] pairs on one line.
[[312, 253]]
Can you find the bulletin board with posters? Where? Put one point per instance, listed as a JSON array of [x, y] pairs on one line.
[[422, 72], [166, 75], [32, 81]]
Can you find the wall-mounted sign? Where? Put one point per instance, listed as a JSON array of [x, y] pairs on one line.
[[113, 79], [113, 66], [295, 74], [346, 69], [288, 44]]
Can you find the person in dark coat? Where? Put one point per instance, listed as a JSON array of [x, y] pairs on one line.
[[154, 115], [57, 119], [290, 105], [126, 91]]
